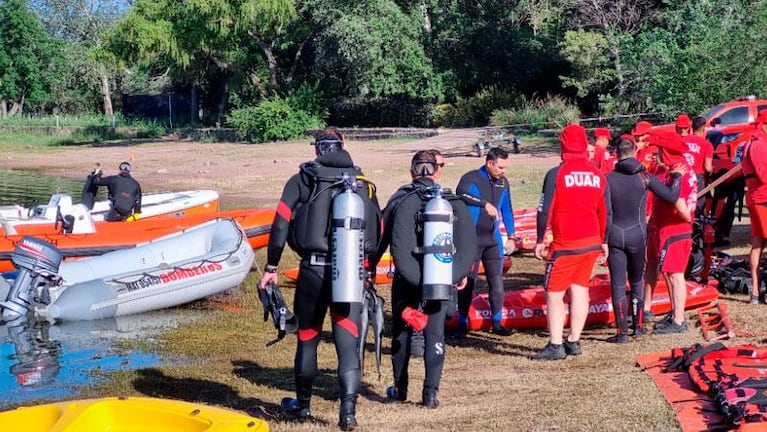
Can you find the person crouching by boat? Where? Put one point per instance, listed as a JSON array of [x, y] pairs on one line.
[[306, 218], [626, 233], [573, 203], [669, 241], [415, 306], [124, 193]]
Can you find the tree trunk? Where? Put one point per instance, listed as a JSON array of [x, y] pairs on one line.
[[193, 112], [223, 99], [106, 93], [271, 62], [3, 108]]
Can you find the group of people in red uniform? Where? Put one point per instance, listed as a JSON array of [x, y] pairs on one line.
[[632, 205]]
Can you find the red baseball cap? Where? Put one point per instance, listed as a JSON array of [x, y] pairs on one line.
[[602, 133], [683, 121], [668, 141], [641, 128], [629, 137]]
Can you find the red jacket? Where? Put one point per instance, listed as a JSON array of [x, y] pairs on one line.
[[755, 169]]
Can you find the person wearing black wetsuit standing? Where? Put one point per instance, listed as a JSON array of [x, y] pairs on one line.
[[303, 218], [124, 193], [627, 234]]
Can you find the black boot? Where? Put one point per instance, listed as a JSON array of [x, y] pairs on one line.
[[347, 420], [429, 399]]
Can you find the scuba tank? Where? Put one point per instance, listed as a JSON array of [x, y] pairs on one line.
[[348, 244], [438, 248]]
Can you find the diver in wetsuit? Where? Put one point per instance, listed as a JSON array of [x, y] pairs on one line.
[[302, 220], [627, 233]]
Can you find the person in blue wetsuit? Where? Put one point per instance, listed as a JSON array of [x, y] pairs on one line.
[[486, 191]]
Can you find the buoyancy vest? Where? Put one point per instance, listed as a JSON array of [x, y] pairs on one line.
[[310, 229], [407, 234]]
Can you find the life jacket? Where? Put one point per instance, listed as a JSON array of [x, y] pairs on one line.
[[407, 234], [310, 228]]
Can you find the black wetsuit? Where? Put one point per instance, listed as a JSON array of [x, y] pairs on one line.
[[405, 294], [477, 189], [313, 294], [627, 234], [124, 194]]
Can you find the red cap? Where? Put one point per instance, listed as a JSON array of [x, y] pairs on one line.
[[574, 142], [602, 133], [671, 146], [629, 137], [683, 121], [762, 116], [641, 128]]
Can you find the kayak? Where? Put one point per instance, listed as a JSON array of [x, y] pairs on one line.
[[385, 270], [526, 308], [123, 414], [111, 236]]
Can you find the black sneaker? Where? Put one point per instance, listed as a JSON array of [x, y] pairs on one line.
[[672, 327], [551, 352], [459, 332], [572, 348], [648, 317], [639, 331], [501, 330], [394, 393], [620, 338], [292, 407], [668, 319]]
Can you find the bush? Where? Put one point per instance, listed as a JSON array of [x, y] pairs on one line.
[[475, 110], [272, 120], [552, 112]]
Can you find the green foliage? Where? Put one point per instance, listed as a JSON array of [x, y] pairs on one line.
[[475, 110], [272, 120], [590, 65], [552, 112]]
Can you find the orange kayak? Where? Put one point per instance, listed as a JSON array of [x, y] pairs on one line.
[[110, 236], [385, 270]]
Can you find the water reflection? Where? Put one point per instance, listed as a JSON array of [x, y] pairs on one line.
[[26, 187], [43, 361]]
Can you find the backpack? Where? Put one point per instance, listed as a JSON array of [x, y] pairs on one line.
[[310, 229]]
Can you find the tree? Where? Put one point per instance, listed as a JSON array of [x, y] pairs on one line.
[[28, 59]]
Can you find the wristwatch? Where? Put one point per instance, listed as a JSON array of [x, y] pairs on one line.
[[270, 268]]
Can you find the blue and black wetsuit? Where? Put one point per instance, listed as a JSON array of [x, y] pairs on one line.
[[477, 189], [627, 234]]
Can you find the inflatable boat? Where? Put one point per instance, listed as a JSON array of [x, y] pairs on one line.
[[128, 414], [153, 205], [106, 237], [176, 269], [526, 308]]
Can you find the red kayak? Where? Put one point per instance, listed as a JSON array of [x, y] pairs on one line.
[[526, 308], [385, 270]]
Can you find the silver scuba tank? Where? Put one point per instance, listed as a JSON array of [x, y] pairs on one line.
[[438, 248], [347, 245]]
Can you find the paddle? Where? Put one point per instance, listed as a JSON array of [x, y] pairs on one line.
[[734, 171]]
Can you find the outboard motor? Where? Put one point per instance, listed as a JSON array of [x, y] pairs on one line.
[[348, 244], [438, 248], [36, 260]]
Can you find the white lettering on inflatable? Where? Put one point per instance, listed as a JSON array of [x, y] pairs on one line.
[[527, 313], [582, 179], [600, 308]]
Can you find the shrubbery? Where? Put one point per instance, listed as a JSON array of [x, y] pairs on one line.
[[272, 120], [552, 112], [475, 110]]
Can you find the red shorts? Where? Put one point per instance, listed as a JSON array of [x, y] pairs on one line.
[[758, 215], [670, 251], [567, 267]]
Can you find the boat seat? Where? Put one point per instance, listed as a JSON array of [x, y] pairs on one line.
[[83, 221]]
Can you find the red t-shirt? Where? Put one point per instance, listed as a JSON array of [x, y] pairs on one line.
[[604, 160], [665, 215], [699, 149], [754, 164]]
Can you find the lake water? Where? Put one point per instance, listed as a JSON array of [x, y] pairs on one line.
[[43, 361]]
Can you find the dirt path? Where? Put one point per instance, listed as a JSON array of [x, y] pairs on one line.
[[249, 175]]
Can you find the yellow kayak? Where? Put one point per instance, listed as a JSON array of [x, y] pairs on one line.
[[134, 414]]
